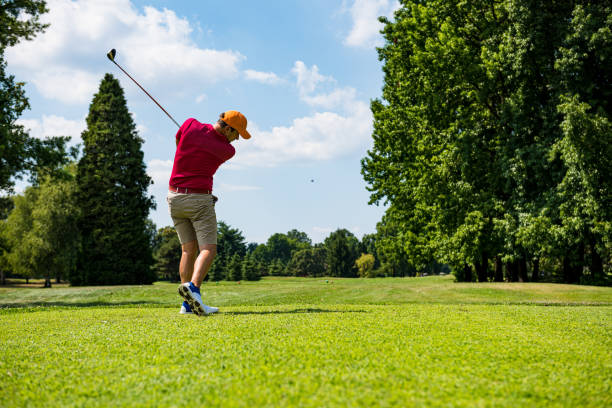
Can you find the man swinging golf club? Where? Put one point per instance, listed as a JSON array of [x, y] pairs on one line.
[[200, 149]]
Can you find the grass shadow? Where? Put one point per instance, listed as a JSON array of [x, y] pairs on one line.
[[307, 310]]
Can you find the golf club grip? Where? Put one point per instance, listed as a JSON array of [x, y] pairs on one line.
[[145, 91]]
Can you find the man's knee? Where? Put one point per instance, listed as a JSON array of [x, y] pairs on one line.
[[210, 248], [190, 248]]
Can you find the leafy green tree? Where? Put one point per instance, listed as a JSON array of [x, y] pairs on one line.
[[20, 20], [167, 254], [19, 226], [234, 268], [308, 262], [5, 249], [54, 230], [112, 195], [42, 231], [300, 239], [276, 268], [365, 266], [368, 246], [342, 251], [261, 253], [487, 133], [391, 248], [585, 192], [279, 247]]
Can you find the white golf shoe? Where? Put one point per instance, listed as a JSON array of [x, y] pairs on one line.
[[189, 292], [210, 309]]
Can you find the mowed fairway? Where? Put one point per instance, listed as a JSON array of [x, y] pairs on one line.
[[304, 342]]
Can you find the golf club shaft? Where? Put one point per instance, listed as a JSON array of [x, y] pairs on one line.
[[145, 91]]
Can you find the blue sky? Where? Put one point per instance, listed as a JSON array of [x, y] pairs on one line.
[[302, 72]]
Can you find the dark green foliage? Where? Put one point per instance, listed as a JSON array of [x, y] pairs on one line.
[[230, 242], [19, 19], [276, 268], [493, 140], [279, 247], [342, 252], [218, 269], [167, 254], [308, 262], [18, 152], [112, 195], [234, 268], [42, 231], [250, 270]]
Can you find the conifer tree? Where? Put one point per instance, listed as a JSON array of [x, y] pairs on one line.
[[112, 195], [217, 270], [250, 271], [167, 255], [234, 268]]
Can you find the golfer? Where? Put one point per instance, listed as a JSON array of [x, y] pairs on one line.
[[200, 149]]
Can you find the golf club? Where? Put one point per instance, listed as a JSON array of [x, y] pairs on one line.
[[111, 56]]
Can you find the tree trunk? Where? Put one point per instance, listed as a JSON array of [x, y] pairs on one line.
[[596, 264], [572, 264], [567, 274], [2, 277], [482, 268], [499, 269], [522, 270], [467, 272], [535, 274], [511, 271]]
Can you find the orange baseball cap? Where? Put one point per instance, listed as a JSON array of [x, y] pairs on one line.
[[237, 120]]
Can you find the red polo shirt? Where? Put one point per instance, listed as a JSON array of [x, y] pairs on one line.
[[200, 152]]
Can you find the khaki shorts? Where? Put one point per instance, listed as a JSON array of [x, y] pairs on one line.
[[194, 217]]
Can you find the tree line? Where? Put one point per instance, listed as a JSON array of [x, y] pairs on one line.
[[341, 254], [493, 138]]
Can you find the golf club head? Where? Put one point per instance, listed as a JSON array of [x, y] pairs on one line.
[[111, 55]]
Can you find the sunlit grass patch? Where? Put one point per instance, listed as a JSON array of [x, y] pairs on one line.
[[307, 354]]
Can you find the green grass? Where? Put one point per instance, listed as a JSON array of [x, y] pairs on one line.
[[304, 342]]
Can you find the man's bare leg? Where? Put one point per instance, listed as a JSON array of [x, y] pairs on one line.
[[203, 263], [188, 256]]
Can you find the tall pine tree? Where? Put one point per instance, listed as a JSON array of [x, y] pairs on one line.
[[112, 195]]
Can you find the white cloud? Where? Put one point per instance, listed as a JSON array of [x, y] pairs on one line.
[[149, 44], [322, 136], [159, 171], [341, 130], [52, 125], [66, 84], [336, 98], [366, 27], [308, 78], [269, 78], [201, 98]]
